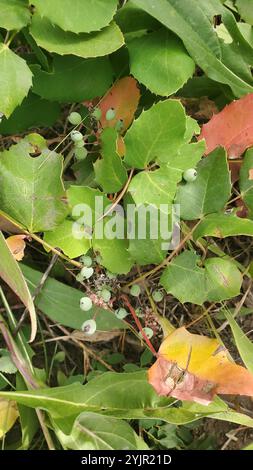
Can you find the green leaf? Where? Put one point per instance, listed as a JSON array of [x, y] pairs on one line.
[[190, 23], [92, 431], [31, 188], [15, 80], [54, 39], [6, 364], [110, 172], [73, 79], [62, 237], [106, 394], [131, 19], [156, 134], [155, 187], [245, 9], [61, 303], [224, 279], [14, 14], [220, 279], [211, 189], [160, 61], [222, 226], [184, 279], [246, 184], [243, 344], [78, 16], [114, 253], [33, 112], [10, 272], [28, 418]]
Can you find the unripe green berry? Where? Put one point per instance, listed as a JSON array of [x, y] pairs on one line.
[[110, 275], [79, 277], [98, 259], [86, 260], [135, 290], [110, 114], [87, 272], [97, 114], [75, 118], [157, 296], [119, 125], [190, 175], [121, 313], [76, 136], [89, 327], [80, 152], [148, 332], [79, 144], [85, 304], [106, 295]]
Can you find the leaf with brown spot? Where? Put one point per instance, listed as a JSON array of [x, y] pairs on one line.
[[196, 368], [16, 244]]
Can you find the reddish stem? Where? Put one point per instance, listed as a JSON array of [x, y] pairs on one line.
[[138, 323]]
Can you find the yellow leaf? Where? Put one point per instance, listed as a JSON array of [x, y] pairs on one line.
[[8, 415]]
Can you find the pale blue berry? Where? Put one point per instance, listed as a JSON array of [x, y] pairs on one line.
[[85, 304], [110, 114], [75, 118], [89, 327], [190, 175], [135, 290]]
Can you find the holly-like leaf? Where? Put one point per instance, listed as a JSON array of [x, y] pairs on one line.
[[196, 368], [113, 249], [155, 187], [211, 189], [160, 61], [184, 279], [114, 254], [54, 39], [15, 80], [222, 226], [246, 182], [156, 134], [62, 237], [78, 16], [8, 415], [123, 98], [218, 280], [14, 14], [223, 279], [110, 172], [31, 187], [73, 79], [231, 128], [33, 112], [190, 22]]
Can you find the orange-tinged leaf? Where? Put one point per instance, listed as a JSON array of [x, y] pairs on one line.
[[251, 174], [193, 367], [121, 148], [16, 244], [232, 128], [123, 97]]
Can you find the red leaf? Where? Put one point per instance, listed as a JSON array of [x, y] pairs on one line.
[[123, 97], [232, 128]]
